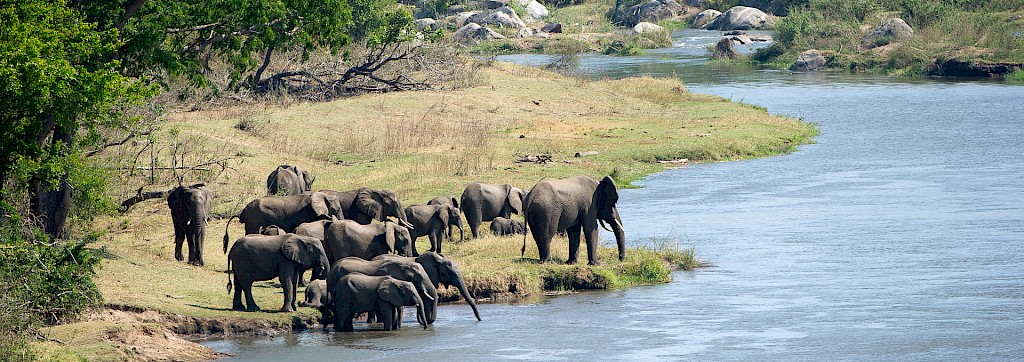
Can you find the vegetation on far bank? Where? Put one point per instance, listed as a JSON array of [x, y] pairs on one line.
[[963, 31]]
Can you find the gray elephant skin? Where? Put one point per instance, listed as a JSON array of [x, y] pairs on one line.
[[358, 293], [431, 220], [441, 270], [344, 238], [574, 205], [190, 212], [315, 294], [400, 269], [503, 227], [264, 257], [286, 212], [289, 180], [365, 204], [483, 202], [452, 222]]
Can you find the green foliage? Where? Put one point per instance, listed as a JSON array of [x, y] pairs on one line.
[[1016, 76]]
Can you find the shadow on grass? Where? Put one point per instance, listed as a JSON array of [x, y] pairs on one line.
[[226, 309]]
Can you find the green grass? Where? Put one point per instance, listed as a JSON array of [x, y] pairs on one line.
[[1016, 77]]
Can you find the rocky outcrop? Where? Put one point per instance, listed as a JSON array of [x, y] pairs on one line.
[[725, 50], [534, 10], [531, 32], [741, 18], [973, 68], [811, 60], [427, 24], [649, 11], [461, 19], [645, 27], [893, 30], [704, 17], [504, 17], [494, 4], [472, 33], [552, 28]]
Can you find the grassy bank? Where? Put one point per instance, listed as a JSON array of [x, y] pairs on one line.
[[424, 144], [978, 33]]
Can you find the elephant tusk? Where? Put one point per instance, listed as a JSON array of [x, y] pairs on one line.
[[619, 224], [603, 226]]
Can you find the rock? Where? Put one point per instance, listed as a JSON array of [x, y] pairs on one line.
[[742, 39], [741, 18], [811, 60], [534, 10], [759, 37], [472, 33], [725, 50], [894, 29], [456, 9], [705, 17], [503, 17], [531, 32], [735, 32], [585, 153], [977, 68], [461, 19], [645, 27], [494, 4], [552, 28], [649, 11], [427, 24]]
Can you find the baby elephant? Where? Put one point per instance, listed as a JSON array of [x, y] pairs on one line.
[[358, 293], [501, 226]]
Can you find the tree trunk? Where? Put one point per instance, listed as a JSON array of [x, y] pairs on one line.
[[50, 203]]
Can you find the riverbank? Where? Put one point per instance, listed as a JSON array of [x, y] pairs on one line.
[[423, 144]]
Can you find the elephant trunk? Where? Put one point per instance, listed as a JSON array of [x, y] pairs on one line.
[[462, 233], [469, 298], [420, 314], [620, 234]]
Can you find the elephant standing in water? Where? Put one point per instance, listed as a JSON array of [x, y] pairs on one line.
[[452, 222], [365, 205], [190, 213], [289, 180], [264, 257], [573, 205], [502, 227], [483, 202], [431, 220], [441, 270], [359, 293], [400, 269]]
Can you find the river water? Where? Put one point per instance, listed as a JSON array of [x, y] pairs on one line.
[[897, 236]]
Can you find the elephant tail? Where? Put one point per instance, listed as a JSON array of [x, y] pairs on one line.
[[522, 253], [226, 233], [229, 274]]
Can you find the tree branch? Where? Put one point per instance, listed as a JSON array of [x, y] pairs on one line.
[[142, 196], [117, 143], [128, 14]]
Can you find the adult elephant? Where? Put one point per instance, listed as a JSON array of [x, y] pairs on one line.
[[190, 213], [574, 205], [358, 293], [483, 202], [431, 220], [344, 238], [287, 212], [264, 257], [400, 269], [365, 205], [289, 180], [452, 222], [441, 270], [502, 227]]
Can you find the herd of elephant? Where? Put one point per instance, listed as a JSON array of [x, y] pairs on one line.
[[361, 244]]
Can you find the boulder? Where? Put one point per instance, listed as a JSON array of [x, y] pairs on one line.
[[456, 9], [494, 4], [649, 11], [705, 17], [645, 27], [534, 10], [531, 32], [503, 17], [552, 28], [427, 24], [811, 60], [461, 19], [894, 29], [725, 50], [472, 33], [741, 18]]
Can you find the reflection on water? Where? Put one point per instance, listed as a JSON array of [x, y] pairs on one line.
[[895, 237]]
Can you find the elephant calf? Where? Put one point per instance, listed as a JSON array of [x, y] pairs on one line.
[[359, 293], [264, 257], [503, 227], [432, 220], [440, 270]]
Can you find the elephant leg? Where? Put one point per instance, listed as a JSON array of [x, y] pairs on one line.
[[543, 240], [302, 278], [474, 224], [574, 243], [396, 313], [251, 303], [386, 310], [179, 238], [190, 238], [435, 245], [591, 236], [287, 279], [236, 303], [412, 244], [198, 240]]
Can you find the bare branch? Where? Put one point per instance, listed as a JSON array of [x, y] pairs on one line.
[[117, 143]]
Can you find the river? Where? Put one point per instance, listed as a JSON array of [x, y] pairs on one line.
[[897, 236]]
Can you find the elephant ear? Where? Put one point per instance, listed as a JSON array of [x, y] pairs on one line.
[[303, 177], [455, 203], [443, 213], [515, 199], [389, 236], [607, 195], [294, 250], [318, 200], [390, 290], [308, 179], [369, 205]]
